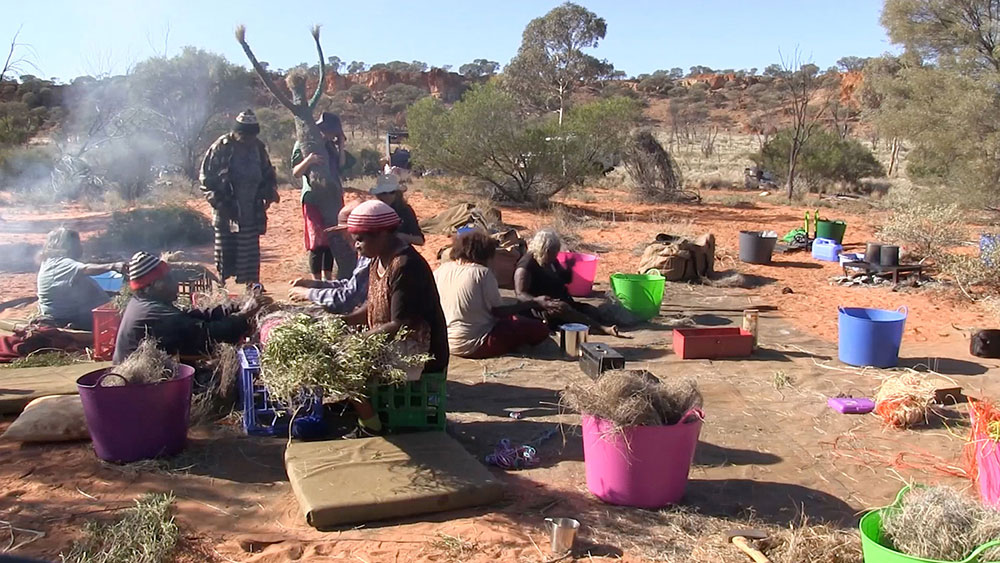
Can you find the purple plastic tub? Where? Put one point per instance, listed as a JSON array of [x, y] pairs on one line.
[[137, 421]]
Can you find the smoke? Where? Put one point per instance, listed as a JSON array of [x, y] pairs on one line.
[[118, 135]]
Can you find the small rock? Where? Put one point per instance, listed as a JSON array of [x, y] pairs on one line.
[[786, 290]]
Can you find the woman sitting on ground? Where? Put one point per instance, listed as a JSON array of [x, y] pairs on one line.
[[401, 295], [66, 293], [479, 324], [539, 274]]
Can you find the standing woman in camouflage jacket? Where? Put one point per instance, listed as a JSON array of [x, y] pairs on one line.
[[239, 183]]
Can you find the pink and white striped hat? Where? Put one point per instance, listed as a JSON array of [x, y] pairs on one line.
[[372, 216]]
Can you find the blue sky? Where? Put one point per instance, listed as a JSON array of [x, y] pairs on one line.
[[73, 37]]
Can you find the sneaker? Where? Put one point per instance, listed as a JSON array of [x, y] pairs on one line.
[[361, 432]]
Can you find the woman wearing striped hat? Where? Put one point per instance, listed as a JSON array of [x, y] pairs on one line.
[[151, 312], [239, 183], [401, 294]]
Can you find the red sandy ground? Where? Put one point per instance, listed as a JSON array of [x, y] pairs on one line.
[[55, 487]]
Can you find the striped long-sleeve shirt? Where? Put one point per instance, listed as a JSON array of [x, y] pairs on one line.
[[344, 296]]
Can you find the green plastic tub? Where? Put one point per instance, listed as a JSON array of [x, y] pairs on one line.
[[874, 547], [641, 294], [831, 229]]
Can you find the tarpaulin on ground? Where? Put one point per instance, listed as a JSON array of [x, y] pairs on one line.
[[20, 386], [342, 482]]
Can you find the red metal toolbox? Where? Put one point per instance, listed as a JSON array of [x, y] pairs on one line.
[[709, 343]]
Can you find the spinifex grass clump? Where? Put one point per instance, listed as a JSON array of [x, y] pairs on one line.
[[941, 523], [148, 364], [634, 398], [145, 534], [305, 353]]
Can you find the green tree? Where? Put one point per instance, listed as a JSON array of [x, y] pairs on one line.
[[852, 64], [334, 63], [356, 67], [699, 69], [825, 160], [479, 68], [398, 97], [550, 63], [528, 159], [183, 94], [940, 94]]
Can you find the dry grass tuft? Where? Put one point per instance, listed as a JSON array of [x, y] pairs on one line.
[[634, 398], [455, 548], [148, 364], [146, 533], [941, 523], [683, 534]]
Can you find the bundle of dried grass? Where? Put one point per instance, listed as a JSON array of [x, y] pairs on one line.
[[941, 523], [803, 542], [219, 297], [904, 399], [148, 364], [634, 398]]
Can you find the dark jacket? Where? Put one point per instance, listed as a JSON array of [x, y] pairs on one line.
[[186, 333]]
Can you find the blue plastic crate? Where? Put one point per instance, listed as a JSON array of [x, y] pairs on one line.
[[263, 416], [109, 281]]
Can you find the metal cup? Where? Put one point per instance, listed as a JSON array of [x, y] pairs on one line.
[[563, 534], [572, 337]]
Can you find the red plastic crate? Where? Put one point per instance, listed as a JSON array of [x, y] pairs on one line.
[[710, 343], [106, 321]]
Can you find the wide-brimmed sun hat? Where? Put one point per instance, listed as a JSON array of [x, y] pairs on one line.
[[386, 184]]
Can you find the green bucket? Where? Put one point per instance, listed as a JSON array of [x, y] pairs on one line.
[[641, 294], [875, 548], [831, 229]]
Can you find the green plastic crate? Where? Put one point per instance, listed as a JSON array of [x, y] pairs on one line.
[[414, 405]]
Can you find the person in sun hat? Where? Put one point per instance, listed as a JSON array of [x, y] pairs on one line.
[[321, 206], [401, 294], [336, 296], [151, 312], [389, 191], [239, 182]]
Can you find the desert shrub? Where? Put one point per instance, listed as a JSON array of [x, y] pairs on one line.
[[824, 160], [928, 229], [654, 173], [154, 229], [24, 168], [487, 137], [277, 130]]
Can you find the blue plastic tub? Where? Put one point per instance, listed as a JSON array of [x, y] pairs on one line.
[[870, 337], [109, 281]]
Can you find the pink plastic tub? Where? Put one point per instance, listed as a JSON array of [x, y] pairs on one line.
[[136, 422], [584, 272], [642, 466], [987, 475]]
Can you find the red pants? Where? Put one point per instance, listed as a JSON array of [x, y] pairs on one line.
[[510, 334]]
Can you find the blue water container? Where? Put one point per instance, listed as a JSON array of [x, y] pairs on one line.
[[870, 337], [109, 281], [826, 249]]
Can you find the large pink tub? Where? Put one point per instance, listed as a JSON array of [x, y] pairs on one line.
[[641, 466], [584, 272]]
